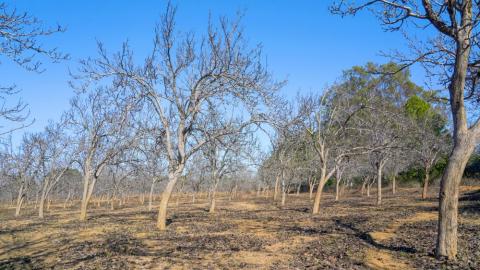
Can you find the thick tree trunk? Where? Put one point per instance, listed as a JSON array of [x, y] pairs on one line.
[[162, 211], [449, 192], [88, 185], [211, 210], [464, 141], [318, 195]]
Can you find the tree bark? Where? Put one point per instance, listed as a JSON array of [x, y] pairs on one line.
[[88, 185], [464, 140], [369, 185], [20, 199], [150, 197], [425, 183], [379, 181], [67, 199], [337, 189], [394, 184], [213, 198], [318, 195], [162, 211], [449, 192], [275, 191], [379, 186]]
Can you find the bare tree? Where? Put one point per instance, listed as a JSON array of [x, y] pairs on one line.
[[54, 159], [101, 121], [183, 80], [25, 168], [453, 58], [20, 41]]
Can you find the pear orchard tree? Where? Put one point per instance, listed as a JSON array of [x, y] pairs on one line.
[[183, 78]]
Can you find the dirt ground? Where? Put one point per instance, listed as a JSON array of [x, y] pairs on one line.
[[246, 233]]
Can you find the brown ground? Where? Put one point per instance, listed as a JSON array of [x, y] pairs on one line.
[[247, 233]]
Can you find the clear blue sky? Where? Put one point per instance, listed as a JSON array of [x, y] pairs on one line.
[[303, 42]]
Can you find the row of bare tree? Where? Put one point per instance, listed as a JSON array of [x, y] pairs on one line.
[[193, 106]]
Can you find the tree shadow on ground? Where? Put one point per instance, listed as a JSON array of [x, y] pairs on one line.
[[365, 237]]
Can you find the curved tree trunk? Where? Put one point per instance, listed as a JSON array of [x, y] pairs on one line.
[[318, 195], [162, 210], [449, 192], [88, 185], [20, 198]]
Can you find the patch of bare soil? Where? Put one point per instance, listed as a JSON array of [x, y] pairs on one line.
[[247, 233]]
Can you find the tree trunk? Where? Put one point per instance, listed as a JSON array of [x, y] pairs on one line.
[[211, 210], [88, 186], [464, 141], [449, 192], [275, 191], [162, 210], [369, 185], [66, 200], [41, 206], [310, 192], [318, 195], [298, 189], [284, 195], [379, 182], [337, 189], [20, 199], [213, 198], [150, 197], [425, 183], [394, 184], [364, 184]]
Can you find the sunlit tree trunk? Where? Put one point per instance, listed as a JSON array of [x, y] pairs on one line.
[[162, 211], [20, 198]]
